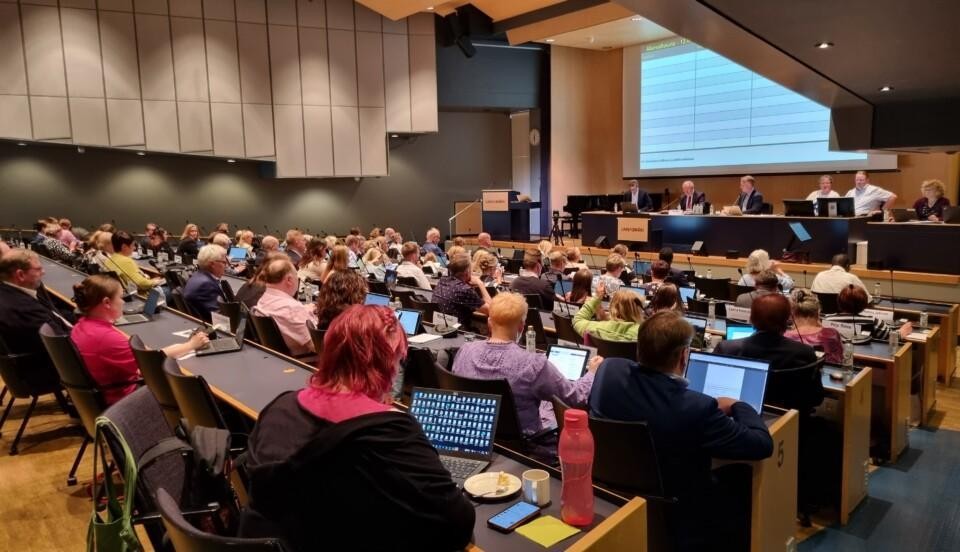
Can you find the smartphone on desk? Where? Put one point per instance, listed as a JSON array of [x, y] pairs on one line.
[[513, 517]]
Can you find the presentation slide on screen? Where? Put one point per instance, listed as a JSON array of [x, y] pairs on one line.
[[698, 110]]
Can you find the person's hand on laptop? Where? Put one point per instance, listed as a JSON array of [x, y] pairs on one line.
[[725, 404], [198, 340], [594, 363]]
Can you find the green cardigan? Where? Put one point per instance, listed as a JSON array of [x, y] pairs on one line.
[[610, 330]]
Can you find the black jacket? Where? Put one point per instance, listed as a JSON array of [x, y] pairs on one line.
[[754, 204], [644, 201], [21, 317], [188, 248], [532, 285], [372, 482]]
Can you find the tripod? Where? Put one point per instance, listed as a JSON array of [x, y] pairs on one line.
[[555, 232]]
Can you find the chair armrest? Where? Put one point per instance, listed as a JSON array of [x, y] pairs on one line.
[[154, 517]]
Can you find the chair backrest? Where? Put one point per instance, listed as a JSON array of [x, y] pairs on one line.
[[232, 311], [269, 334], [419, 370], [228, 293], [74, 377], [625, 458], [784, 386], [716, 288], [699, 306], [736, 290], [766, 208], [828, 302], [426, 307], [408, 281], [618, 349], [513, 266], [180, 303], [174, 279], [194, 398], [15, 371], [564, 327], [150, 362], [404, 296], [533, 319], [508, 424], [534, 301], [187, 538], [316, 335], [377, 286], [559, 407]]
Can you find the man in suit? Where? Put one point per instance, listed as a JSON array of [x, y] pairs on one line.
[[750, 200], [203, 290], [689, 429], [676, 276], [690, 196], [638, 197], [296, 246]]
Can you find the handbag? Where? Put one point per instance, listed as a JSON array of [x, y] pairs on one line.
[[111, 524]]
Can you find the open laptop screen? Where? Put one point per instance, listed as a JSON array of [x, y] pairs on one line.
[[687, 293], [738, 331], [237, 254], [410, 320], [722, 376], [455, 421], [563, 287], [377, 299]]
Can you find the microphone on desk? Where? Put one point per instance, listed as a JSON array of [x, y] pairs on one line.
[[892, 300], [667, 206]]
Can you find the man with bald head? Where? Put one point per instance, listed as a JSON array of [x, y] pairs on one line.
[[690, 196], [484, 241]]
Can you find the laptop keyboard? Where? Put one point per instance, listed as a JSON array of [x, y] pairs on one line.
[[459, 468]]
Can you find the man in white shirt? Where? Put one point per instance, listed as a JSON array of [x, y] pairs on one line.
[[410, 267], [837, 277], [355, 246], [825, 190], [277, 302], [867, 198]]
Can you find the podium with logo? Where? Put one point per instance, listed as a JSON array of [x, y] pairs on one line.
[[506, 218]]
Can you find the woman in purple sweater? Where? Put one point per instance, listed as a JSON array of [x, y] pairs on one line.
[[533, 379]]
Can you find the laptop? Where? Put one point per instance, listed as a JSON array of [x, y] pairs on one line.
[[460, 425], [377, 299], [739, 331], [687, 293], [570, 361], [951, 215], [640, 291], [227, 344], [141, 314], [835, 207], [629, 207], [563, 287], [410, 320], [903, 215], [798, 208], [641, 267], [744, 379], [237, 254], [699, 331]]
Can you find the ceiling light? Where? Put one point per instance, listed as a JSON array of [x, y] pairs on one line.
[[394, 135], [636, 18], [231, 160], [551, 40], [824, 45], [21, 143], [140, 153], [886, 88], [81, 149], [429, 8]]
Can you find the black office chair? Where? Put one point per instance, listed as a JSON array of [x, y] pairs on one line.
[[828, 302], [270, 337], [409, 281], [194, 398], [715, 288], [784, 386], [700, 306], [150, 362], [419, 370], [513, 266], [736, 290], [228, 294], [565, 331], [426, 307], [232, 310], [316, 335], [766, 209], [404, 296], [180, 303], [25, 378], [174, 279], [534, 301], [377, 286], [610, 349], [187, 538]]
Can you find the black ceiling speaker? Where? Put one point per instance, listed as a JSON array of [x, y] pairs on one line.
[[458, 27]]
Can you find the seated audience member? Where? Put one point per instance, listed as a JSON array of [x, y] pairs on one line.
[[66, 236], [394, 239], [314, 261], [689, 429], [931, 203], [339, 261], [189, 241], [484, 242], [410, 266], [55, 248], [667, 297], [355, 231], [837, 277], [252, 290], [623, 321], [544, 247], [825, 189], [765, 283], [432, 245], [202, 291], [354, 250], [757, 262], [374, 233], [674, 275], [107, 227], [157, 243], [99, 249], [39, 227], [459, 293], [532, 378], [148, 232], [558, 261], [611, 278], [371, 264], [850, 303], [659, 272], [4, 248], [750, 200], [867, 198], [220, 228], [343, 289], [269, 244], [296, 246], [278, 302], [582, 287], [456, 251], [574, 260], [121, 262], [460, 241], [105, 349], [246, 241], [428, 260], [808, 330], [770, 315], [626, 276], [487, 267], [340, 439], [529, 282]]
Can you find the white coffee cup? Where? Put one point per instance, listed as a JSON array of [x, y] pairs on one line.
[[536, 487]]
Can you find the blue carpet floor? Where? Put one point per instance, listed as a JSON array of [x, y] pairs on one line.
[[913, 505]]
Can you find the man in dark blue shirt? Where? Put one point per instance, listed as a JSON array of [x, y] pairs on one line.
[[203, 291], [460, 293], [689, 430]]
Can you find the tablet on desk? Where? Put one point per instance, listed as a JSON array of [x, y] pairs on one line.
[[571, 361], [724, 376]]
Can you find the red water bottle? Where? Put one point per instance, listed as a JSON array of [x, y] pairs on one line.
[[576, 462]]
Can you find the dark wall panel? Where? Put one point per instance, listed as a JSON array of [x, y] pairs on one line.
[[498, 77]]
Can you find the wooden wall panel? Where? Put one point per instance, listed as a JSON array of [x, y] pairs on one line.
[[314, 67], [13, 73], [161, 127], [189, 59], [88, 121], [369, 69], [121, 75], [218, 9], [343, 67], [115, 5], [43, 50], [156, 57], [254, 63], [346, 141], [85, 4], [285, 65], [318, 140], [340, 14], [258, 130], [222, 61], [186, 8], [81, 49], [393, 27], [227, 129], [251, 11], [288, 121], [423, 84], [373, 141], [396, 74], [420, 24], [50, 117], [311, 13], [125, 119], [195, 135], [154, 7], [15, 117], [367, 19], [282, 12]]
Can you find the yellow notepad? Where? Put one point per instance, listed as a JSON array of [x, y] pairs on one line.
[[547, 531]]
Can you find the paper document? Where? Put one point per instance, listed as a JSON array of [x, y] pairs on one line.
[[422, 338], [547, 531]]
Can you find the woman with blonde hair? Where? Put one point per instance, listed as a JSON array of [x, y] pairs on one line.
[[339, 261], [456, 251], [931, 203], [620, 324], [545, 247], [485, 266], [757, 262], [245, 240], [189, 241]]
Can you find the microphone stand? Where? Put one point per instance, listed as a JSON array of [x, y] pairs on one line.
[[457, 214]]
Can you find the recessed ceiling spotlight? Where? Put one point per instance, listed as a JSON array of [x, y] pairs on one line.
[[550, 40], [141, 154], [231, 160], [824, 45], [394, 135], [886, 88], [429, 8], [636, 18]]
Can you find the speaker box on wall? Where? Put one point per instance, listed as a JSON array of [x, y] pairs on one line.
[[458, 28], [697, 248], [733, 253], [601, 242]]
